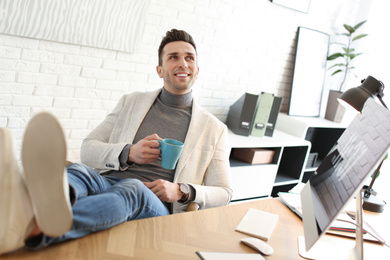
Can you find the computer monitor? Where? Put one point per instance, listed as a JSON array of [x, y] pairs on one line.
[[354, 157]]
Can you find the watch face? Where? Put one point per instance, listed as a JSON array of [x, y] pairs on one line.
[[184, 188]]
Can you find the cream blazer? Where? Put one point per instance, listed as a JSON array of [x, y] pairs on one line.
[[204, 162]]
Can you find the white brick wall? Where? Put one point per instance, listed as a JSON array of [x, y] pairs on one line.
[[242, 46]]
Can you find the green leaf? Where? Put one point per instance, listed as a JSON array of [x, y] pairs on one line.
[[337, 65], [344, 34], [337, 71], [359, 37], [359, 24], [339, 43], [349, 28], [348, 50], [335, 56], [352, 56]]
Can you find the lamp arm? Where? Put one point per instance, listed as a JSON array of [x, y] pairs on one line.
[[367, 192]]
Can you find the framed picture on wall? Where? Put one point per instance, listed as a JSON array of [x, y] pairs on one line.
[[309, 73], [298, 5], [112, 25]]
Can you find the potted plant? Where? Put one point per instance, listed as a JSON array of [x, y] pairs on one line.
[[334, 111]]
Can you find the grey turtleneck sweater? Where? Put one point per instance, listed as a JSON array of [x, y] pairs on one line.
[[169, 117]]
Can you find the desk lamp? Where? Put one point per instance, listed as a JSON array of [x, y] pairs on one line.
[[355, 98]]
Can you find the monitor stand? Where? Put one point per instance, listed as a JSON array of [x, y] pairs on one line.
[[329, 249], [357, 251]]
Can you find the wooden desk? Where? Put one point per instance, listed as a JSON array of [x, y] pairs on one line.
[[180, 236]]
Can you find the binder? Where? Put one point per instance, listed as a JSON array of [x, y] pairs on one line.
[[241, 114], [273, 116], [262, 114]]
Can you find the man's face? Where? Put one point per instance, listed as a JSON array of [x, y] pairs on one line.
[[179, 69]]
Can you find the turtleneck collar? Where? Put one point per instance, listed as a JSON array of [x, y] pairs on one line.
[[173, 100]]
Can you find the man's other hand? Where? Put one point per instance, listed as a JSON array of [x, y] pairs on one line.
[[145, 150], [166, 191]]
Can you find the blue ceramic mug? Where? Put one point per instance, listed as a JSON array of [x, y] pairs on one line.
[[170, 152]]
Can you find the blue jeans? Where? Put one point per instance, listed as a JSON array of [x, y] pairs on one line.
[[102, 202]]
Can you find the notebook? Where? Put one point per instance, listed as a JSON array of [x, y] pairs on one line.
[[258, 223], [229, 256]]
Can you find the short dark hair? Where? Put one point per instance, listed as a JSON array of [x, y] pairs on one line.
[[174, 35]]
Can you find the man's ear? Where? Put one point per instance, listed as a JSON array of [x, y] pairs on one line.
[[159, 71]]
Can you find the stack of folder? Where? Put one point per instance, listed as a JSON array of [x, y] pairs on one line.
[[254, 115]]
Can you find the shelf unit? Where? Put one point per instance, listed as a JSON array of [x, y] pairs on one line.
[[320, 132], [253, 181]]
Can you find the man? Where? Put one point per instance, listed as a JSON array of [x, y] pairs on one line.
[[131, 183]]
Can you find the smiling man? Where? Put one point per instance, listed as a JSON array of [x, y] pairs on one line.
[[202, 172], [178, 67], [121, 178]]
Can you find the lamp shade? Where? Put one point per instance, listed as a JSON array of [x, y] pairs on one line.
[[356, 97]]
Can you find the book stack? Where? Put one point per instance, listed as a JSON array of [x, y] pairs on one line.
[[254, 115]]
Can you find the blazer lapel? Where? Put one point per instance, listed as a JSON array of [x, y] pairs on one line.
[[196, 128]]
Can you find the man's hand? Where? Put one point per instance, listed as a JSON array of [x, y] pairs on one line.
[[145, 150], [166, 191]]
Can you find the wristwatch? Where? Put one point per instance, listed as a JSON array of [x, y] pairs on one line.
[[185, 191]]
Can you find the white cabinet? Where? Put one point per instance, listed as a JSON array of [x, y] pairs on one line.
[[320, 132], [252, 181]]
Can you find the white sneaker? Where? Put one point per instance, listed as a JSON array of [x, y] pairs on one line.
[[16, 214], [44, 158]]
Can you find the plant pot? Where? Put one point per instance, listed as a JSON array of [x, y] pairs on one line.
[[334, 110]]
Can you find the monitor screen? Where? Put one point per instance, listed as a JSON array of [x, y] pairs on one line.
[[354, 157]]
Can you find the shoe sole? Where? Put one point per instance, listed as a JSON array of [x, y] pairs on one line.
[[43, 157], [6, 164], [15, 208]]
